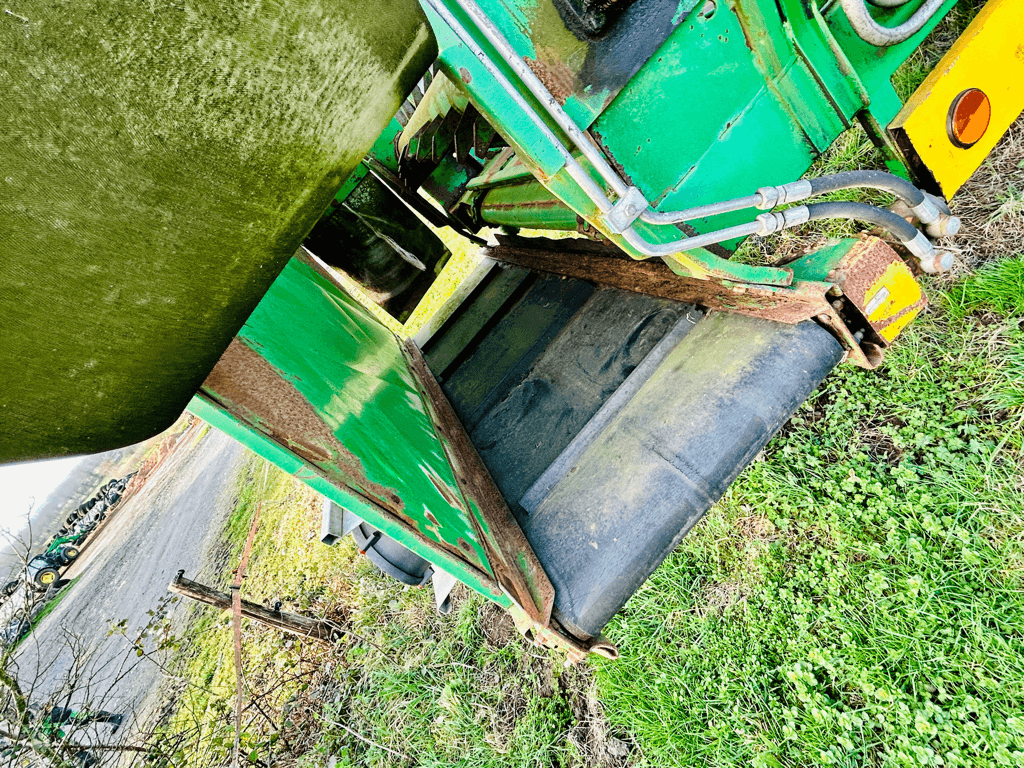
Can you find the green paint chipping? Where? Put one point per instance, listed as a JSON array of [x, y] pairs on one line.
[[323, 378], [161, 163]]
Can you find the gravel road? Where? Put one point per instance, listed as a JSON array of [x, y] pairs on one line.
[[171, 524]]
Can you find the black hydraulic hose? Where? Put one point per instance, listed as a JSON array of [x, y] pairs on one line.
[[887, 220], [887, 182]]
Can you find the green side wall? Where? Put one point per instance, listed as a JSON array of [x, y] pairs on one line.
[[160, 164]]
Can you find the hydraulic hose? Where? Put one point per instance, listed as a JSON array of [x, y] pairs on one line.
[[886, 182], [930, 259], [872, 32], [887, 220]]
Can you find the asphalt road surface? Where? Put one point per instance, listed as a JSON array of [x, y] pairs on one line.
[[170, 524]]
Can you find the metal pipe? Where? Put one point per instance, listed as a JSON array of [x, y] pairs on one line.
[[870, 31], [766, 197], [764, 224], [543, 95], [919, 205], [441, 10], [700, 211], [572, 165]]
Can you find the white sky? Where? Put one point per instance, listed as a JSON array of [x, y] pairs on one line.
[[27, 485]]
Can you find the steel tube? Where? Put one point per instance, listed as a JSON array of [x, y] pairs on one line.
[[441, 10], [701, 211], [870, 31], [689, 243], [540, 91]]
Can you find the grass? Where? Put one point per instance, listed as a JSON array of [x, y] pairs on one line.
[[287, 564]]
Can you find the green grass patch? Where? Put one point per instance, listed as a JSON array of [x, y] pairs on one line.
[[858, 596], [288, 564], [997, 287]]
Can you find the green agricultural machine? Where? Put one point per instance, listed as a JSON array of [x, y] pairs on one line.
[[206, 205]]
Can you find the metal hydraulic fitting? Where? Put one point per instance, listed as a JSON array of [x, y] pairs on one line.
[[785, 193]]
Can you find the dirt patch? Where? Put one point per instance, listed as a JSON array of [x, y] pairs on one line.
[[720, 597], [591, 734], [881, 447], [497, 626], [757, 528], [991, 206]]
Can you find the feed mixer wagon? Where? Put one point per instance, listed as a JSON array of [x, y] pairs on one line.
[[210, 206]]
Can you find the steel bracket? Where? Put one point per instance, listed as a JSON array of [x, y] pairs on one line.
[[626, 210]]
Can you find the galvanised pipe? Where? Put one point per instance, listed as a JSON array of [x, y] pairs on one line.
[[870, 31], [768, 197], [572, 165], [543, 95]]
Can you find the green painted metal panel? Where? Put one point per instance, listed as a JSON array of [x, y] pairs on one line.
[[218, 417], [743, 93], [585, 72], [728, 127], [314, 372]]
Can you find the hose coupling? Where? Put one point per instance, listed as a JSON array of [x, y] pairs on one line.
[[770, 223], [945, 226], [938, 261], [937, 222], [785, 193]]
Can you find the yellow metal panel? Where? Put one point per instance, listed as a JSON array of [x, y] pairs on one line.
[[990, 56], [895, 299]]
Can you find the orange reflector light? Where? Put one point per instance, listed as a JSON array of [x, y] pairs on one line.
[[969, 116]]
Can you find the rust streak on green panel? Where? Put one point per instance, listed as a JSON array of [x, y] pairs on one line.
[[312, 371], [512, 558], [218, 416]]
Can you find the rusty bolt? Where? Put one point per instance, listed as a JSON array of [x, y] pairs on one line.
[[835, 290], [833, 275], [837, 305], [464, 74]]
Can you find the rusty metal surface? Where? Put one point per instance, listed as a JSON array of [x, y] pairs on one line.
[[555, 637], [512, 558], [858, 263], [605, 265], [870, 266], [251, 388]]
